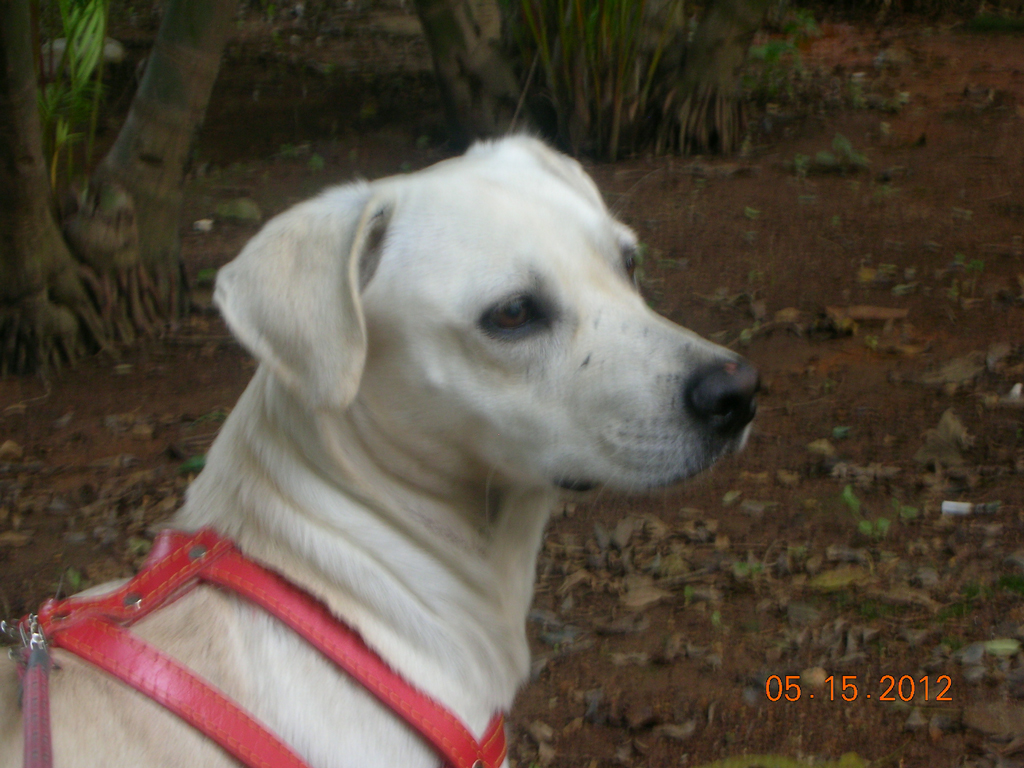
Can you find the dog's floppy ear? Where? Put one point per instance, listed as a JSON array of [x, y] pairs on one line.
[[292, 296]]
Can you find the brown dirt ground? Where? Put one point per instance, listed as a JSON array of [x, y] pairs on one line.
[[763, 569]]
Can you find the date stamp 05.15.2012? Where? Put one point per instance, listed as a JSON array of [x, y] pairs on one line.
[[852, 688]]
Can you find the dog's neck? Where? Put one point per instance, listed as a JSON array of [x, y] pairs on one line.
[[435, 578]]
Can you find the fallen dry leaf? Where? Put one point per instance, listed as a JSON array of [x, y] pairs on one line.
[[575, 578], [641, 593], [943, 445], [676, 732], [962, 370], [15, 538], [996, 718], [541, 731], [822, 447], [905, 596], [10, 451], [864, 313], [627, 624], [840, 578], [637, 658]]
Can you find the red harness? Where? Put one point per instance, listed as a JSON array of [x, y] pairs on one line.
[[95, 629]]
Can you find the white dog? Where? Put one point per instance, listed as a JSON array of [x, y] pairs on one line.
[[441, 353]]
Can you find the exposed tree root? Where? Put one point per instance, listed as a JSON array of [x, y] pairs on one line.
[[707, 121], [41, 333], [128, 303]]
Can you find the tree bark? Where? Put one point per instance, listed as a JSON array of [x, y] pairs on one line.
[[703, 109], [46, 317], [131, 218], [478, 88], [122, 276]]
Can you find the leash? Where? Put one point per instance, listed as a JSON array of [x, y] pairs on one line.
[[96, 630], [33, 659]]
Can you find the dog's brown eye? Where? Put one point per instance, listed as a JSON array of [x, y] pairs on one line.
[[515, 318], [514, 314], [630, 265]]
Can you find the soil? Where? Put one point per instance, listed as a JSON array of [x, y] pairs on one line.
[[666, 628]]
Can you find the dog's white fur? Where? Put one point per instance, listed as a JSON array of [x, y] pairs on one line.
[[397, 455]]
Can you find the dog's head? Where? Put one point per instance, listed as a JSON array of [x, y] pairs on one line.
[[479, 319]]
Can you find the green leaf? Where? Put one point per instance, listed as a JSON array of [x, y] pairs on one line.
[[193, 465], [825, 159], [139, 546], [206, 276], [73, 579], [1002, 647], [842, 146], [851, 500]]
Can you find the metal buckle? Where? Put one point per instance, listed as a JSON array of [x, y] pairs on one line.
[[26, 632]]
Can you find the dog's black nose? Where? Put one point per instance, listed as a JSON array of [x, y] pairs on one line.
[[722, 395]]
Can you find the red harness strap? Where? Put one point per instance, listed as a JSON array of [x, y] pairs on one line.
[[94, 629]]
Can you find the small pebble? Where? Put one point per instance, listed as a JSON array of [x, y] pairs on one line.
[[971, 654], [927, 577], [623, 533], [975, 673], [916, 721], [814, 677], [11, 451]]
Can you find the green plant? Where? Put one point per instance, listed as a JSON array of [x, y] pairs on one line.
[[594, 65], [73, 578], [841, 158], [1012, 582], [743, 570], [970, 594], [874, 529], [974, 268], [70, 94], [903, 511], [856, 94], [850, 499], [846, 156], [990, 22], [777, 61], [873, 610], [952, 643]]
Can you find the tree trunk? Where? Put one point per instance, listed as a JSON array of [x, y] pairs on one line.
[[122, 276], [127, 228], [46, 317], [705, 97], [478, 88]]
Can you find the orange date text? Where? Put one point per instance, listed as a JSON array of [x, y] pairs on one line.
[[850, 688]]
